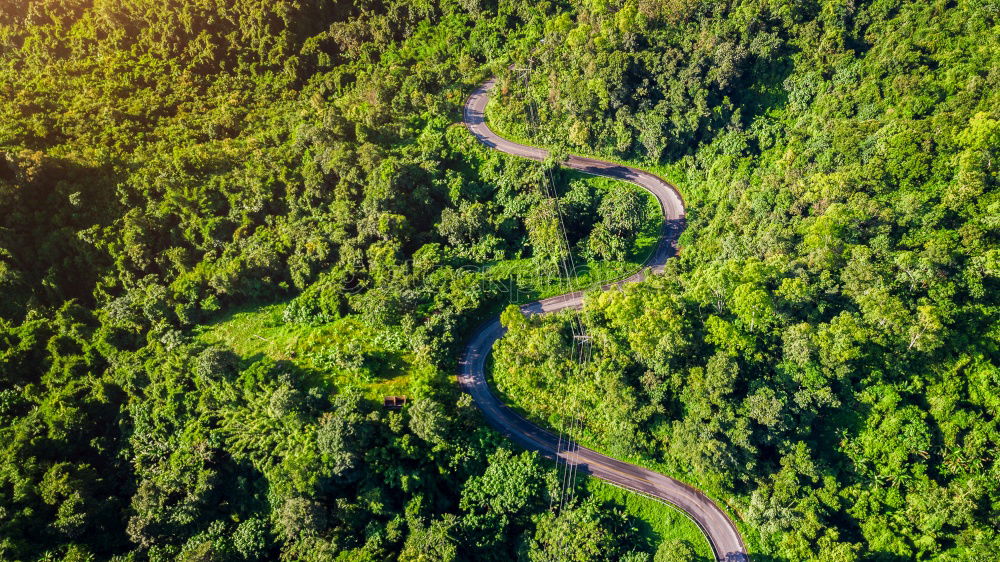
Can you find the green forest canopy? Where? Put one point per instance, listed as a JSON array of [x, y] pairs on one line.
[[822, 357]]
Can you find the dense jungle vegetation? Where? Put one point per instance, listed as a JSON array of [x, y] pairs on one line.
[[225, 227]]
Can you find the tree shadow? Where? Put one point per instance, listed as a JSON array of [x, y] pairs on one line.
[[47, 202]]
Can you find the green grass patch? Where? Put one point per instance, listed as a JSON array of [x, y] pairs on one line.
[[528, 285], [662, 522], [348, 352]]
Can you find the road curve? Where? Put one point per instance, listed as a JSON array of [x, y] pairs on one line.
[[722, 534]]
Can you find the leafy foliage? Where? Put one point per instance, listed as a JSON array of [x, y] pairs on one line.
[[822, 355]]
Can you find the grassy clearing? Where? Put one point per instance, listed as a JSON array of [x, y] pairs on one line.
[[530, 286], [347, 353], [661, 522]]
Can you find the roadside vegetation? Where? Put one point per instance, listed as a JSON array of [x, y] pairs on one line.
[[674, 536]]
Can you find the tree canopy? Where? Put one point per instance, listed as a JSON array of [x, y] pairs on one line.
[[822, 357]]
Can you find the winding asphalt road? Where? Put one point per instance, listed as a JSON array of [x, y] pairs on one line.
[[722, 534]]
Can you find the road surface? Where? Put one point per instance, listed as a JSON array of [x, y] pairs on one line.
[[722, 534]]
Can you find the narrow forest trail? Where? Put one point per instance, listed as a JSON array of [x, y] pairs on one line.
[[722, 534]]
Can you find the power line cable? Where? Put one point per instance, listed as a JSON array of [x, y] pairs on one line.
[[581, 348]]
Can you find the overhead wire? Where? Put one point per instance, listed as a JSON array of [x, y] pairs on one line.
[[581, 347], [564, 442]]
